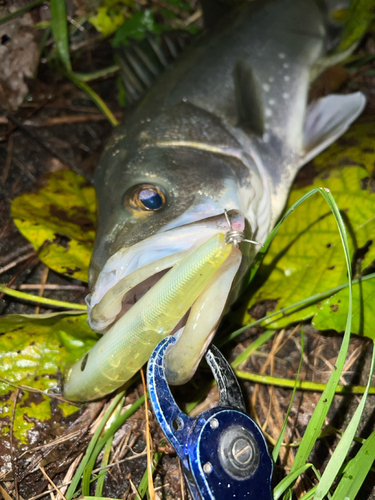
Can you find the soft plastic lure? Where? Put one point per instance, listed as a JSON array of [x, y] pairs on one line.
[[129, 343]]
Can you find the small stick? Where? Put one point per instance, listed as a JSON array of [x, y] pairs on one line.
[[8, 160], [42, 287], [16, 262], [33, 136], [51, 482], [12, 444], [49, 286]]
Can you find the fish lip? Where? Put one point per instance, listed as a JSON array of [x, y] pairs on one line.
[[174, 241]]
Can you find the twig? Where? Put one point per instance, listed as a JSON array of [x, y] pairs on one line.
[[51, 482], [182, 485], [16, 262], [39, 391], [24, 169], [8, 160], [41, 142], [5, 494], [42, 287], [49, 286], [12, 444], [69, 119], [135, 491]]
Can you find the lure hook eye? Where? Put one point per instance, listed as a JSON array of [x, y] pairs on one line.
[[145, 198]]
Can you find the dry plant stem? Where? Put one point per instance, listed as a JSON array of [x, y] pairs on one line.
[[42, 285], [55, 442], [70, 119], [20, 271], [8, 161], [135, 491], [16, 262], [182, 484], [34, 137], [254, 399], [5, 494], [51, 482], [151, 489], [12, 447], [49, 286], [39, 391]]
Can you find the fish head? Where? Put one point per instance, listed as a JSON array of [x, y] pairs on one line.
[[154, 206]]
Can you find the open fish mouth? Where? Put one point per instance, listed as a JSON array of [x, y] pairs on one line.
[[131, 272], [192, 294]]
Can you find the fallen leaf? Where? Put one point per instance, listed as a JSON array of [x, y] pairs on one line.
[[333, 312], [61, 216], [34, 349], [306, 256]]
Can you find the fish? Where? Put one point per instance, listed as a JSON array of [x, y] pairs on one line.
[[225, 129]]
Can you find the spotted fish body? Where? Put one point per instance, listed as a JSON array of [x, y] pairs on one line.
[[227, 128]]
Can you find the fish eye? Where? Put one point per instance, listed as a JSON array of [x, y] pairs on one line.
[[145, 198]]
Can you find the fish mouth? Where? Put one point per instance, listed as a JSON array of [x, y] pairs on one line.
[[131, 272]]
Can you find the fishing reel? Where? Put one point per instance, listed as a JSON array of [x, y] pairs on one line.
[[222, 451]]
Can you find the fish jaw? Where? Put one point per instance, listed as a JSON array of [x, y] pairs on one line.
[[130, 272]]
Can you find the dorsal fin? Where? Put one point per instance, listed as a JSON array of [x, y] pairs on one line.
[[249, 98], [214, 10], [141, 62]]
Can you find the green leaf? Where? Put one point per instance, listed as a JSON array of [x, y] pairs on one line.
[[332, 313], [64, 207], [136, 28], [355, 148], [359, 17], [107, 20], [305, 257], [60, 31], [33, 349]]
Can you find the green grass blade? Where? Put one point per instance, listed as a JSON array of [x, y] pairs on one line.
[[77, 476], [285, 483], [259, 256], [41, 300], [317, 420], [95, 97], [117, 424], [20, 11], [59, 27], [293, 307], [356, 471], [339, 455], [303, 385], [143, 485], [88, 77], [276, 450], [106, 454], [254, 346]]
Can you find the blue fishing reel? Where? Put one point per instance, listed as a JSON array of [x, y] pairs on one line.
[[222, 451]]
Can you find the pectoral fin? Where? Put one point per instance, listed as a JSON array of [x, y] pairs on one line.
[[327, 119]]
